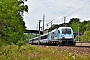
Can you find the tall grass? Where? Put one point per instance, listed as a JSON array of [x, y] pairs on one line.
[[29, 52]]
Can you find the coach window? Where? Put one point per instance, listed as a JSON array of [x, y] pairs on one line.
[[58, 31], [36, 39], [44, 37]]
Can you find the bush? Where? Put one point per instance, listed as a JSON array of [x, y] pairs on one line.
[[76, 38], [20, 43], [86, 36]]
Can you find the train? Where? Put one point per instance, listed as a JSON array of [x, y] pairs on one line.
[[60, 36]]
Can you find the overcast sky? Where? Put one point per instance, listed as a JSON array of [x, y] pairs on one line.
[[55, 9]]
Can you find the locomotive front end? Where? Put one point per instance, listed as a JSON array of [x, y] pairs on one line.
[[67, 36]]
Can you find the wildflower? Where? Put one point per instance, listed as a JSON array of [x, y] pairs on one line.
[[63, 55], [29, 58], [70, 54], [64, 50], [73, 57], [47, 46], [52, 51], [77, 51], [86, 54], [15, 58]]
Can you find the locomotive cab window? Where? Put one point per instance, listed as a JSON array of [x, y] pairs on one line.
[[66, 31]]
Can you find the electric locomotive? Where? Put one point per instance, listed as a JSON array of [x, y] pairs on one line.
[[62, 36]]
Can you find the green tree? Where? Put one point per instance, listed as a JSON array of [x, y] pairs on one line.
[[88, 26], [74, 24], [83, 26], [86, 35], [12, 26]]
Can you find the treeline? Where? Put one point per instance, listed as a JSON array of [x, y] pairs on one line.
[[12, 26], [82, 27]]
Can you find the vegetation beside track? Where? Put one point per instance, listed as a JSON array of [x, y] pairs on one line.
[[29, 52], [12, 29]]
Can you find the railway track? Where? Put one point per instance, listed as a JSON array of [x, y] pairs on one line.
[[78, 44]]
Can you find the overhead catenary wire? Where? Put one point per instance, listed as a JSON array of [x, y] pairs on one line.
[[62, 13], [77, 10], [69, 9], [80, 8], [49, 22]]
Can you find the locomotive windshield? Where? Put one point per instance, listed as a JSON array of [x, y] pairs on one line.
[[66, 31]]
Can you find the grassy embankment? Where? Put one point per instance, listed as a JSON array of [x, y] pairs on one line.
[[29, 52]]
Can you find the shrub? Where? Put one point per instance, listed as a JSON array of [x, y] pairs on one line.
[[78, 37], [86, 36]]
